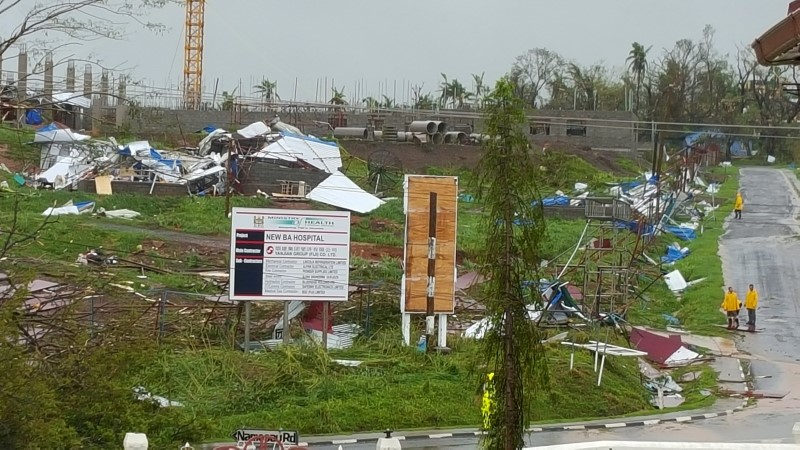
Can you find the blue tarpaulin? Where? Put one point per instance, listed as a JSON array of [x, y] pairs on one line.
[[468, 198], [739, 148], [692, 139], [49, 127], [33, 117], [554, 200], [634, 226], [626, 187], [210, 129], [674, 254], [686, 234]]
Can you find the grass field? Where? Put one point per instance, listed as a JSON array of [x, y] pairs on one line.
[[394, 387], [698, 307]]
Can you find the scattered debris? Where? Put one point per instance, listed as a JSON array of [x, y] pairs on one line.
[[666, 351], [70, 208], [143, 395], [118, 213]]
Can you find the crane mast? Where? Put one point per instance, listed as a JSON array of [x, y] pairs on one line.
[[193, 54]]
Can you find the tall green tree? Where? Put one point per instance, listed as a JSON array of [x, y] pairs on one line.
[[514, 228], [637, 67]]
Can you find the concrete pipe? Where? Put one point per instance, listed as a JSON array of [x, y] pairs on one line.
[[455, 137], [378, 135], [437, 138], [441, 127], [351, 132], [423, 126], [403, 136]]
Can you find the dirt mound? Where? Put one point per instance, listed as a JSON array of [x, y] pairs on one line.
[[417, 158], [374, 252]]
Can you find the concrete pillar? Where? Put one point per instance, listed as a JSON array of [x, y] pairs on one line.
[[121, 109], [87, 81], [104, 89], [22, 73], [88, 87], [796, 432], [122, 89], [70, 77], [48, 77]]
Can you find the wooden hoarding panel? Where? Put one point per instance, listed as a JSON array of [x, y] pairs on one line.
[[418, 190]]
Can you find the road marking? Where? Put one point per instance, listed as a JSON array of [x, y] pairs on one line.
[[440, 436], [344, 441]]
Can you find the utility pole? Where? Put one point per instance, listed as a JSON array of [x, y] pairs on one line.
[[655, 144], [429, 311], [228, 183]]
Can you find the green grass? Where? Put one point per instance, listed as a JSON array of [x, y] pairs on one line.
[[562, 171], [395, 387], [698, 309]]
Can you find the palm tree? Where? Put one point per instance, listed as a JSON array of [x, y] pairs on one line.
[[637, 65], [387, 102], [458, 94], [371, 103], [228, 100], [337, 97], [268, 90], [479, 86], [446, 91], [424, 102]]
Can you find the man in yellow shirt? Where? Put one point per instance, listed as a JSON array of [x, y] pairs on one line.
[[732, 305], [751, 303], [738, 204]]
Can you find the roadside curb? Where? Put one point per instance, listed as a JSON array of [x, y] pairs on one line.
[[543, 429]]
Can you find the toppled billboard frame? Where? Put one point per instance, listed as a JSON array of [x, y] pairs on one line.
[[283, 255], [417, 208]]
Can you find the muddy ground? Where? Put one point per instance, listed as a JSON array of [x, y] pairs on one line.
[[418, 158]]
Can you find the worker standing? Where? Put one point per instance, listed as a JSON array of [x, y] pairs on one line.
[[732, 305], [751, 303], [738, 205]]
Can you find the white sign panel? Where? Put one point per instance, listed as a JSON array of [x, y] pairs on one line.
[[283, 255], [285, 437]]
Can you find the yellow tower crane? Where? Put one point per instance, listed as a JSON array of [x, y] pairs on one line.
[[193, 54]]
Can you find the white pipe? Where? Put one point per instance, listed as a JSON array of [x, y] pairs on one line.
[[575, 251]]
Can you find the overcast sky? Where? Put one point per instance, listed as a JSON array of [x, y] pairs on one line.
[[413, 41]]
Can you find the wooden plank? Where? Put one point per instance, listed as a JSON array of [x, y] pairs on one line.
[[416, 258], [102, 185]]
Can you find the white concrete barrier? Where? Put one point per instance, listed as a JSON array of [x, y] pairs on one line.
[[135, 441], [614, 445]]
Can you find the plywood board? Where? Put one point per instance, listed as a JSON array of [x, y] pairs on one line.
[[102, 185], [417, 198]]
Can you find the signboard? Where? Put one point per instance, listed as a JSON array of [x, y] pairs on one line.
[[417, 208], [285, 437], [283, 255]]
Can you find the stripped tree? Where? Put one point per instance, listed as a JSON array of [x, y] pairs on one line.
[[513, 227]]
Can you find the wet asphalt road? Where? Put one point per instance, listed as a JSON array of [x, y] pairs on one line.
[[763, 248]]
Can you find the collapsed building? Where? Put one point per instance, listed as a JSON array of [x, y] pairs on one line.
[[275, 160]]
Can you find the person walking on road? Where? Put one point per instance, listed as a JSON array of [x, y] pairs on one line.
[[732, 305], [738, 204], [751, 303]]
